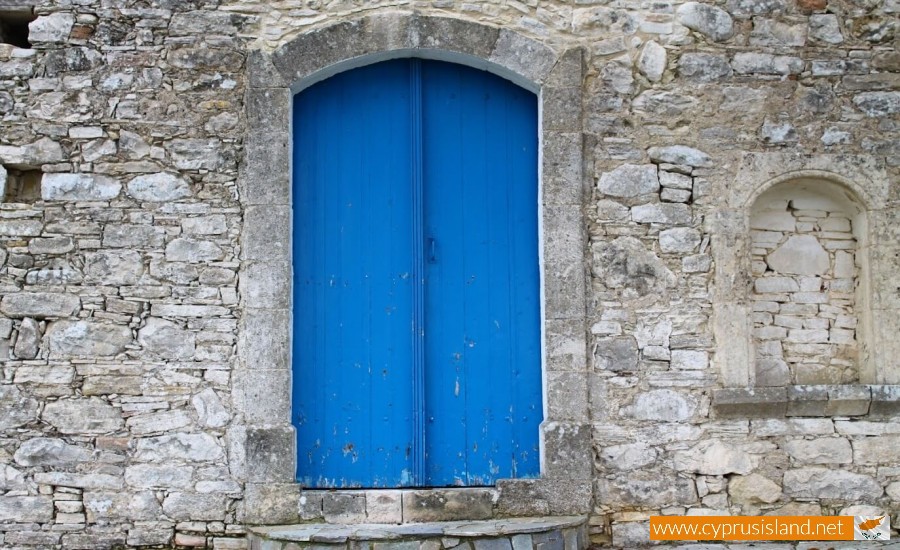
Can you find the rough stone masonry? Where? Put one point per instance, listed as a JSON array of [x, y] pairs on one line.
[[730, 177]]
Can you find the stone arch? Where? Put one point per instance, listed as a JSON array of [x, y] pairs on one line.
[[263, 380]]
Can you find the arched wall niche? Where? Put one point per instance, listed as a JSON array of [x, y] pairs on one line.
[[262, 383], [855, 188], [808, 260]]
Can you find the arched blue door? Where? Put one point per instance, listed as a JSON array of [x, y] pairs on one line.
[[416, 349]]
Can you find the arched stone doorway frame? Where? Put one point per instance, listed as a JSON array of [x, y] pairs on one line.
[[263, 450]]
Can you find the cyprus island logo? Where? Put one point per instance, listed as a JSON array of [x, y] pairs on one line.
[[871, 527]]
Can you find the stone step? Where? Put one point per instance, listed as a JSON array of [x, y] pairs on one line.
[[534, 533]]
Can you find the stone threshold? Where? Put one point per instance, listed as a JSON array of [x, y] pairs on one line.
[[568, 531], [808, 400]]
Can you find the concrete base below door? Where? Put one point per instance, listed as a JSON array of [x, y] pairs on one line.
[[539, 533]]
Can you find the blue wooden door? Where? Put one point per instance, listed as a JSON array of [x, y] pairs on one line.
[[416, 293]]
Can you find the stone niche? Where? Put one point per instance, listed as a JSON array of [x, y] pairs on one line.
[[808, 240]]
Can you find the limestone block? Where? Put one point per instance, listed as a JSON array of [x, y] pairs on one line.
[[619, 354], [447, 505], [264, 395], [133, 146], [203, 22], [16, 408], [266, 285], [20, 228], [679, 240], [79, 481], [265, 175], [755, 403], [704, 67], [384, 507], [210, 410], [524, 56], [800, 255], [198, 447], [658, 103], [133, 236], [629, 456], [42, 151], [270, 503], [652, 489], [44, 451], [561, 165], [876, 450], [765, 63], [753, 489], [205, 225], [878, 104], [756, 7], [271, 452], [629, 180], [772, 371], [567, 396], [151, 476], [79, 187], [831, 450], [196, 154], [157, 422], [180, 506], [159, 187], [679, 154], [87, 338], [561, 110], [713, 22], [28, 340], [777, 132], [565, 345], [819, 482], [83, 416], [50, 245], [166, 339], [39, 305], [193, 250], [715, 457], [626, 263], [675, 181], [343, 507], [26, 509], [771, 32], [773, 220], [267, 233], [112, 267], [689, 359], [264, 338], [662, 213], [51, 28], [664, 405], [652, 61]]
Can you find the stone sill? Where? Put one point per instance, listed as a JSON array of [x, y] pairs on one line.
[[339, 534], [876, 401], [398, 506]]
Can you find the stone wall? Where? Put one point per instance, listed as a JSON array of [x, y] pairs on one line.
[[122, 400]]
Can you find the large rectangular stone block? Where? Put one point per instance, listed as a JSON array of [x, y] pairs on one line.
[[750, 403], [264, 340], [264, 395], [447, 505], [271, 455]]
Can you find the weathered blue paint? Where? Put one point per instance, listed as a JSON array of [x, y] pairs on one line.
[[417, 316]]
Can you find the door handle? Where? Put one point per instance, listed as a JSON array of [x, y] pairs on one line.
[[432, 250]]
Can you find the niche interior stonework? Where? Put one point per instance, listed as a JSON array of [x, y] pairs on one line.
[[805, 281]]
